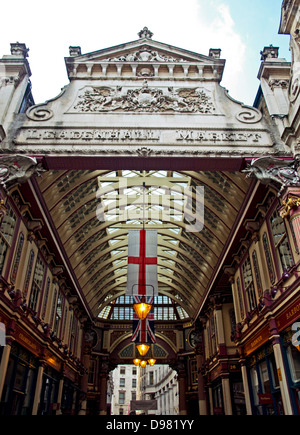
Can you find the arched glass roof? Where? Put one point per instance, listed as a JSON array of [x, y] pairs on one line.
[[93, 210], [164, 308]]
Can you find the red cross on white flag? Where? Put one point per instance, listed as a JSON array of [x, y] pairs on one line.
[[142, 263]]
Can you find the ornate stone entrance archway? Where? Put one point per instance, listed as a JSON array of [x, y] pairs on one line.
[[141, 115]]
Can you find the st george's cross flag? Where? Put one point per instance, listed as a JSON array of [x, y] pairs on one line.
[[143, 330], [142, 263]]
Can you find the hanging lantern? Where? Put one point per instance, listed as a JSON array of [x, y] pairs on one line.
[[143, 348], [151, 361], [143, 363], [136, 361], [142, 310]]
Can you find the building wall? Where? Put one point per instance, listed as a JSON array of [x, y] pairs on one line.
[[125, 382], [39, 314], [159, 383]]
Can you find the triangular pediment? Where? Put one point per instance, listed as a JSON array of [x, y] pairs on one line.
[[144, 51]]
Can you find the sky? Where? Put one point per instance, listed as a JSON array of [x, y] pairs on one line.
[[241, 29]]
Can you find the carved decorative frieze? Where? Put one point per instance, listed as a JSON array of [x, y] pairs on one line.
[[144, 99], [144, 54], [278, 83]]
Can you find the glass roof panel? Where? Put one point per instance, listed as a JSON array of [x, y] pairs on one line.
[[74, 197]]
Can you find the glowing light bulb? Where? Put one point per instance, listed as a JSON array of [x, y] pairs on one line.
[[143, 348]]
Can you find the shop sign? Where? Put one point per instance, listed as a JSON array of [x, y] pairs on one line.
[[69, 373], [25, 340], [265, 399], [257, 341], [290, 315], [218, 410], [216, 372]]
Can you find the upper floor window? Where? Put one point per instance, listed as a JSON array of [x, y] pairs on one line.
[[28, 271], [37, 283], [92, 370], [194, 372], [14, 270], [281, 241], [121, 397], [53, 306], [240, 298], [213, 335], [248, 284], [257, 274], [151, 378], [58, 314], [46, 296], [268, 258], [7, 229], [73, 334]]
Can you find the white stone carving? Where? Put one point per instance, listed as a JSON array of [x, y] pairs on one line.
[[40, 112], [145, 54], [37, 113], [17, 169], [278, 83], [249, 115], [274, 171], [145, 33], [144, 99]]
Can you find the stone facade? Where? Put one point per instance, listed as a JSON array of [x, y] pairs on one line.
[[151, 113]]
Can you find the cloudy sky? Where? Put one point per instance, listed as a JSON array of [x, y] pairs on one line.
[[239, 28]]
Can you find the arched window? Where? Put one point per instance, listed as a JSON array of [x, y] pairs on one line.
[[268, 258], [7, 229], [58, 315], [281, 242], [37, 283], [46, 296], [240, 298], [17, 258], [248, 284], [257, 274], [29, 271]]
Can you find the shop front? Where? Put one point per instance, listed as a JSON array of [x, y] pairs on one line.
[[19, 384], [33, 381], [288, 324], [273, 364]]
